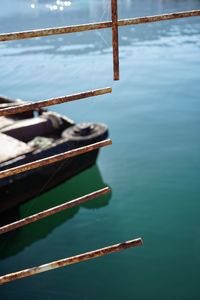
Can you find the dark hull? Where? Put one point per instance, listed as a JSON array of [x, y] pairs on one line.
[[57, 134], [42, 180]]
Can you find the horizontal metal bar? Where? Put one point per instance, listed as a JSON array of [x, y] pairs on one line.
[[53, 31], [158, 18], [52, 159], [70, 260], [43, 103], [53, 210], [95, 26]]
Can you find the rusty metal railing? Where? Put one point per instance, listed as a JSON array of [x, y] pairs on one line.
[[94, 26], [53, 210], [115, 39], [114, 24], [49, 102], [53, 159], [71, 260]]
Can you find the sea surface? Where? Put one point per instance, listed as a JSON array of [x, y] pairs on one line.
[[153, 166]]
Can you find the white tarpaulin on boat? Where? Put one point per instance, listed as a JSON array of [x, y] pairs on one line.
[[11, 148]]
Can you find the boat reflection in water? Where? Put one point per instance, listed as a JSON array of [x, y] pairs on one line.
[[84, 183]]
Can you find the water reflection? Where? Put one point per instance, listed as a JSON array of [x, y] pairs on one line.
[[86, 182], [76, 12], [52, 5], [60, 5]]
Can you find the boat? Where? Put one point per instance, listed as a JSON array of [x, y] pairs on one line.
[[33, 135]]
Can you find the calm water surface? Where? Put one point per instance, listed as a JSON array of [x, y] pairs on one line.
[[153, 166]]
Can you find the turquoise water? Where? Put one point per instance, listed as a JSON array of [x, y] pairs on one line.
[[153, 166]]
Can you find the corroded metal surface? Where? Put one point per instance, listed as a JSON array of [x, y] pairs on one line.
[[53, 210], [36, 105], [95, 26], [115, 39], [71, 260], [52, 159], [158, 18], [53, 31]]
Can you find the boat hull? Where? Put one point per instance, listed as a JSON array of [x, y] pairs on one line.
[[37, 135], [42, 180]]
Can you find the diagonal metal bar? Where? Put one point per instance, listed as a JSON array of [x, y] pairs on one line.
[[53, 31], [158, 18], [53, 210], [43, 103], [70, 260], [115, 39], [52, 159], [94, 26]]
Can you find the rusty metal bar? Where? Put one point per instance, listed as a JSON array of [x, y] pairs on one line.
[[115, 39], [158, 18], [70, 260], [94, 26], [53, 210], [52, 159], [53, 31], [36, 105]]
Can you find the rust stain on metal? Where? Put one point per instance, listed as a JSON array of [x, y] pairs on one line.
[[53, 210], [71, 260], [95, 26], [52, 159], [53, 101], [158, 18], [53, 31], [115, 39]]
